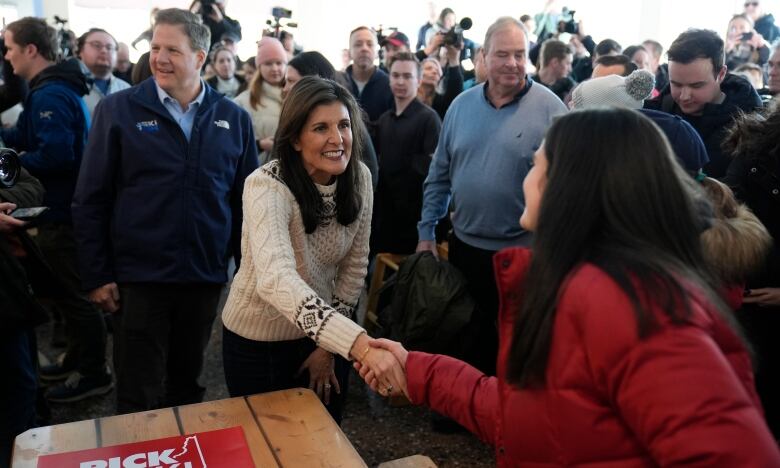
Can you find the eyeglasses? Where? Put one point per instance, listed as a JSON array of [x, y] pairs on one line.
[[101, 46], [751, 4]]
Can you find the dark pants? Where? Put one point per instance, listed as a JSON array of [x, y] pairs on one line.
[[477, 267], [266, 366], [761, 326], [17, 388], [84, 324], [160, 334]]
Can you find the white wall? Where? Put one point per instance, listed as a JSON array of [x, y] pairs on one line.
[[325, 26]]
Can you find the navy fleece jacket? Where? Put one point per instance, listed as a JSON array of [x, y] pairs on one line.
[[52, 133], [151, 206]]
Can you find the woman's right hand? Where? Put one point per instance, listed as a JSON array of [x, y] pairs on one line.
[[378, 367], [398, 367]]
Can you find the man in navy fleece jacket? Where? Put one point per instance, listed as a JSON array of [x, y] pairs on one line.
[[157, 212]]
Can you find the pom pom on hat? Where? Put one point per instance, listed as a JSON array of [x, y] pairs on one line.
[[614, 90]]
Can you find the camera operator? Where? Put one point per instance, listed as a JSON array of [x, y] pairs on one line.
[[744, 44], [52, 131], [20, 312], [213, 14]]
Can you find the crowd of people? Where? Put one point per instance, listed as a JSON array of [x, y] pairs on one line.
[[613, 218]]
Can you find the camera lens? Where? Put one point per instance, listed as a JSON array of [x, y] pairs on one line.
[[10, 167]]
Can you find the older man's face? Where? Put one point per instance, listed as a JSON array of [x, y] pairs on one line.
[[773, 70], [505, 60]]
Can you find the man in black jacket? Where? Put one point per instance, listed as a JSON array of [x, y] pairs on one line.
[[19, 313], [51, 135], [213, 14], [702, 92]]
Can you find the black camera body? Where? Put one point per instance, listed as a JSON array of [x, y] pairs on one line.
[[206, 6], [10, 167], [566, 23], [279, 13], [454, 37]]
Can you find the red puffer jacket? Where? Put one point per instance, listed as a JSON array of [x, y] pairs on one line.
[[682, 396]]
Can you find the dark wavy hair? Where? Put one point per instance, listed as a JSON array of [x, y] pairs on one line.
[[306, 95], [312, 63], [615, 198]]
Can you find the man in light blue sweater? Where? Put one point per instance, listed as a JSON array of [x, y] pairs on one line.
[[485, 150]]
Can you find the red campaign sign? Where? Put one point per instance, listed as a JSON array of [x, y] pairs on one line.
[[212, 449]]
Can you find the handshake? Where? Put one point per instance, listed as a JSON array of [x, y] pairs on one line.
[[382, 365]]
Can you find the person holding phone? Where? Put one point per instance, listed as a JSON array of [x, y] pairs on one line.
[[744, 44], [19, 311]]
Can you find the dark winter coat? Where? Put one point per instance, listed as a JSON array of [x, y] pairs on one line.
[[715, 118], [23, 278], [151, 206], [431, 306], [52, 133], [681, 396]]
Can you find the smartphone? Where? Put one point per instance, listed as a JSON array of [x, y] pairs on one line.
[[26, 214], [747, 36]]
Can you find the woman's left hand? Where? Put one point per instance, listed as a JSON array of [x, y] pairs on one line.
[[322, 376]]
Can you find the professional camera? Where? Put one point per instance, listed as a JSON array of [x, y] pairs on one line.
[[279, 13], [10, 167], [454, 37], [65, 38], [275, 25], [207, 6], [566, 23], [381, 37]]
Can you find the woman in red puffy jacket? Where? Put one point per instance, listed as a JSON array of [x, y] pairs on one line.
[[614, 349]]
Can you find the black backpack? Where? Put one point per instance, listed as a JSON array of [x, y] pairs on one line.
[[431, 307]]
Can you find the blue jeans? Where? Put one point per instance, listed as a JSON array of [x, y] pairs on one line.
[[266, 366]]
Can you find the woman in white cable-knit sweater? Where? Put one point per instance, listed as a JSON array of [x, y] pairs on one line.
[[304, 245]]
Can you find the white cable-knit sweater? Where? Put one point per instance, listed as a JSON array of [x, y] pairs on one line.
[[292, 284]]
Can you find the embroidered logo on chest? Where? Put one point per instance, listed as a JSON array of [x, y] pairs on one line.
[[147, 126], [222, 124]]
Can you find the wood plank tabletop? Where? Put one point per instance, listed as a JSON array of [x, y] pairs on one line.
[[229, 413], [299, 433], [283, 429]]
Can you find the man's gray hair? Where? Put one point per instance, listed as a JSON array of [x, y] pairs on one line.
[[192, 24], [502, 23]]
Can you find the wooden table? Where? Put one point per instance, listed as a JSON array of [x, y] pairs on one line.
[[289, 428]]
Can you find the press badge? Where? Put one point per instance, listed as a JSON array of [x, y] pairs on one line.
[[148, 126]]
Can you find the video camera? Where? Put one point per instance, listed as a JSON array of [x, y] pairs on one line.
[[454, 37], [65, 38], [10, 167], [566, 23], [381, 37], [275, 25]]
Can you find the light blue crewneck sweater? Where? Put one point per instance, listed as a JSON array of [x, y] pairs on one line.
[[480, 162]]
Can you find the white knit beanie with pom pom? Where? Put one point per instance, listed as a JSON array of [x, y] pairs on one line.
[[614, 90]]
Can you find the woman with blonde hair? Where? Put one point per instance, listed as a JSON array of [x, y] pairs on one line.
[[263, 99]]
